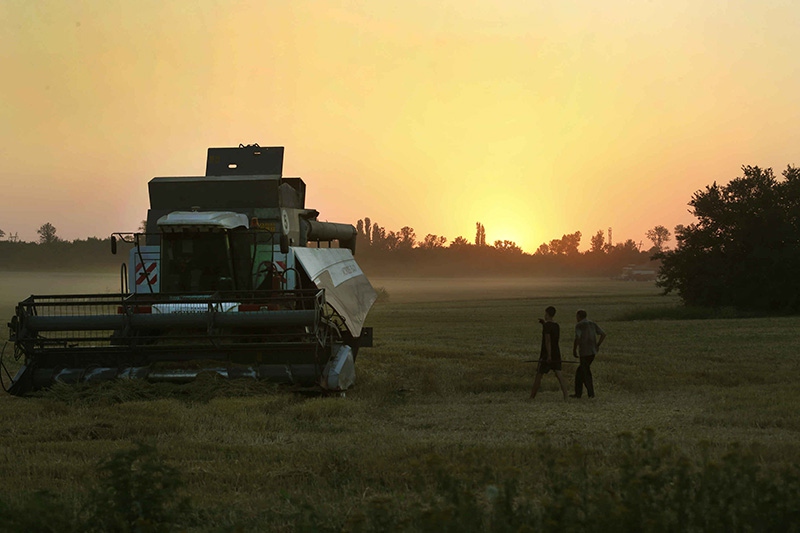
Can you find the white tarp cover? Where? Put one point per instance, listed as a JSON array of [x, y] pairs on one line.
[[347, 289], [214, 219]]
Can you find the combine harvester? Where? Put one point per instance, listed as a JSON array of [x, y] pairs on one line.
[[233, 276]]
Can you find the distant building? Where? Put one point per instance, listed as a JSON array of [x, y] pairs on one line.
[[645, 272]]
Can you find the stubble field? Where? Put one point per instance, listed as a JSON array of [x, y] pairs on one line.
[[439, 432]]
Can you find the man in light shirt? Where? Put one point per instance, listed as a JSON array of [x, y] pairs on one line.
[[588, 338]]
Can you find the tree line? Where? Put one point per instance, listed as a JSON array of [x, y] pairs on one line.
[[91, 254], [51, 253], [400, 252], [379, 251], [376, 237], [47, 234]]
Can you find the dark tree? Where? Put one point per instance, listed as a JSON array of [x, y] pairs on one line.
[[378, 236], [406, 238], [47, 233], [2, 234], [566, 245], [744, 249], [508, 246], [628, 246], [659, 235], [598, 242], [391, 241], [459, 243], [571, 243], [368, 228], [480, 234], [432, 241]]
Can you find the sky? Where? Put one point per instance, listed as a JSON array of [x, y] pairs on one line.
[[535, 118]]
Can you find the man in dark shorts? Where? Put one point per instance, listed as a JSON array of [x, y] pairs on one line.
[[550, 356]]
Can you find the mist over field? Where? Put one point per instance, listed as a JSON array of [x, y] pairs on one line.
[[407, 290], [15, 286]]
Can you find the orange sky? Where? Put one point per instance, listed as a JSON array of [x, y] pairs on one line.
[[535, 118]]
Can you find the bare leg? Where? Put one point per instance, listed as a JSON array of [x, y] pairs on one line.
[[561, 382], [536, 382]]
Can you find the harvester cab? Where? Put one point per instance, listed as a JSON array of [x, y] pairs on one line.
[[233, 275]]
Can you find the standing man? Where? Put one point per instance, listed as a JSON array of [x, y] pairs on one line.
[[588, 338], [550, 356]]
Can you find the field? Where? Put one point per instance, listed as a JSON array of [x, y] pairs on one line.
[[695, 425]]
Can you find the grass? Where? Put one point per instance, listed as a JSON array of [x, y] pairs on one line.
[[439, 433]]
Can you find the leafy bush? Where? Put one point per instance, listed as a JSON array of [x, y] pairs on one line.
[[744, 247], [653, 488], [41, 511], [643, 485], [137, 492]]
